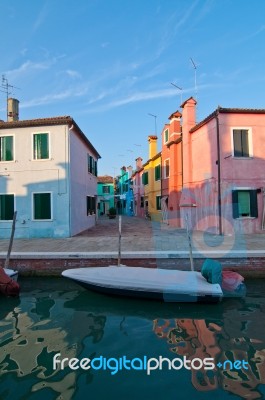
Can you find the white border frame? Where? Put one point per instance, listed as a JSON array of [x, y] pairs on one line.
[[14, 155], [32, 145], [250, 141]]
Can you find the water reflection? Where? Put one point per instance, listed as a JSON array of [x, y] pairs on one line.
[[79, 324], [238, 335]]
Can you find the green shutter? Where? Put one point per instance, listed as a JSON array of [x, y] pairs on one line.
[[42, 206], [6, 207], [243, 203], [253, 203], [157, 172], [235, 203], [41, 146], [6, 148]]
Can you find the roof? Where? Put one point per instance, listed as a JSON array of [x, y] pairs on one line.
[[222, 110], [176, 114], [105, 179], [63, 120]]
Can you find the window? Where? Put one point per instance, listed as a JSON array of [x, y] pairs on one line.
[[6, 148], [42, 209], [145, 178], [244, 203], [142, 202], [90, 205], [92, 165], [241, 143], [158, 172], [41, 146], [106, 189], [166, 135], [167, 168], [158, 202], [6, 207]]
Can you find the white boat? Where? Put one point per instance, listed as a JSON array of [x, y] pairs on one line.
[[152, 283], [11, 273]]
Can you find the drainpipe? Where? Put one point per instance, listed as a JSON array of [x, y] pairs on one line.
[[220, 228]]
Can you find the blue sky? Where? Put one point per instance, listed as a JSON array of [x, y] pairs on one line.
[[110, 63]]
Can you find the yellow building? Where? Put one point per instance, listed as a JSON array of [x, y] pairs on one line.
[[151, 179]]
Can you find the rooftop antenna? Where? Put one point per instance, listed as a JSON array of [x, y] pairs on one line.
[[179, 88], [5, 88], [195, 76], [155, 117]]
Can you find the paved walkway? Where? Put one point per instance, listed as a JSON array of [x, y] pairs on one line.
[[140, 238]]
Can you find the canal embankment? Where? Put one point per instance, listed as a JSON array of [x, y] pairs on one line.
[[143, 243]]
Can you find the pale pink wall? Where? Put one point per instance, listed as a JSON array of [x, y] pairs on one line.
[[201, 171]]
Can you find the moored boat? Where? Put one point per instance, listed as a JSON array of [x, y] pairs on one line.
[[8, 282], [150, 283]]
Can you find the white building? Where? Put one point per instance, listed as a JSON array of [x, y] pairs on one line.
[[48, 174]]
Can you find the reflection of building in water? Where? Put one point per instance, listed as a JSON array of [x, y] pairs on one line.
[[238, 337], [46, 328]]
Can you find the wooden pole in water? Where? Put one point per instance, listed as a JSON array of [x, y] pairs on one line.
[[11, 240], [119, 251], [189, 240]]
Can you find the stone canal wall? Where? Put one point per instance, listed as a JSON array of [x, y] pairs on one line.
[[249, 267]]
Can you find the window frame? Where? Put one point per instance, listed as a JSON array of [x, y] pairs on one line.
[[92, 165], [253, 206], [106, 187], [157, 168], [165, 168], [14, 197], [166, 133], [145, 178], [92, 210], [158, 203], [13, 148], [49, 146], [33, 206], [250, 142]]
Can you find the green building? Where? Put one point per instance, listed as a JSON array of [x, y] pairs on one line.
[[105, 193]]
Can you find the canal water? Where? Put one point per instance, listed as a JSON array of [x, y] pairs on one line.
[[110, 342]]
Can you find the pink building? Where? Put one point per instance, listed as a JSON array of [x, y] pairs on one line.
[[138, 188], [224, 170]]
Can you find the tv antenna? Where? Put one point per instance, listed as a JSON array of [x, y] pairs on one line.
[[7, 89], [179, 88], [195, 76], [155, 117]]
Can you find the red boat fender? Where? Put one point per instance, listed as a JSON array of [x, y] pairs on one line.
[[231, 280], [8, 286]]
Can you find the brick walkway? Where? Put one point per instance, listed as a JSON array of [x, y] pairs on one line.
[[142, 237]]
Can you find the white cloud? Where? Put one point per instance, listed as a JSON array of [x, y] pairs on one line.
[[73, 74]]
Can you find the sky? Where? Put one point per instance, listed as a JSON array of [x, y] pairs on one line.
[[109, 64]]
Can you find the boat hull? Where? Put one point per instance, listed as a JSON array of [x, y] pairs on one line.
[[155, 284], [11, 273]]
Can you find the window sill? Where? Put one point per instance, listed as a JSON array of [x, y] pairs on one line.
[[243, 158], [42, 220], [246, 218]]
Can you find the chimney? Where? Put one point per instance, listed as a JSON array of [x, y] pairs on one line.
[[12, 110], [129, 169], [175, 122], [139, 163], [152, 146], [189, 113]]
